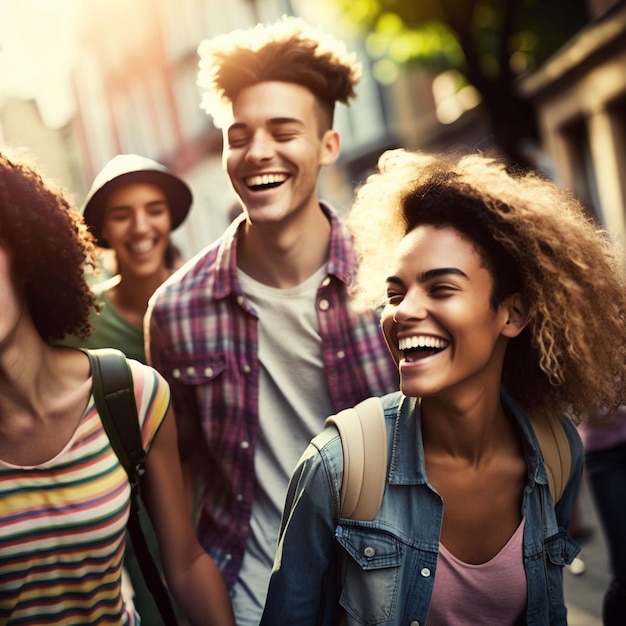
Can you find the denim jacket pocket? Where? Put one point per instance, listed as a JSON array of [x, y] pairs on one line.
[[370, 572], [560, 551]]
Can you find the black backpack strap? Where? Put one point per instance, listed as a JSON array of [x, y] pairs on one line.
[[115, 399]]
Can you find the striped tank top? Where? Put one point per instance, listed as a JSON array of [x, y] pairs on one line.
[[63, 523]]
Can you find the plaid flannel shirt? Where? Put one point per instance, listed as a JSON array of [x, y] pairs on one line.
[[203, 338]]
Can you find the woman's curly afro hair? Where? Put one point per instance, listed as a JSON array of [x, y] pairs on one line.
[[50, 247], [535, 238]]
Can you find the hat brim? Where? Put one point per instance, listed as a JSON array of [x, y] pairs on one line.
[[178, 194]]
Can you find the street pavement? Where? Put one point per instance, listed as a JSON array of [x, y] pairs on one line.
[[584, 592]]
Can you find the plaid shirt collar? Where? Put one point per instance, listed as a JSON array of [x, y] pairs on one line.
[[341, 257]]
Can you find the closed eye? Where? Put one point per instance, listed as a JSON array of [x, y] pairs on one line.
[[441, 290], [395, 290], [285, 136], [118, 215], [394, 296], [238, 142], [156, 211]]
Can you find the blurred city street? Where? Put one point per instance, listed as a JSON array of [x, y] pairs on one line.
[[584, 592], [548, 85]]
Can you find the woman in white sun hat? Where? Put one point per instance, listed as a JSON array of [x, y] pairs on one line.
[[133, 205]]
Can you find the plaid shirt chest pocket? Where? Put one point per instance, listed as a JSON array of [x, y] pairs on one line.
[[191, 370], [222, 393]]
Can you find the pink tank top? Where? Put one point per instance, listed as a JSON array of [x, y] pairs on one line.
[[490, 594]]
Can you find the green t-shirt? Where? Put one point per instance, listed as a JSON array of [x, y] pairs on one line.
[[111, 331]]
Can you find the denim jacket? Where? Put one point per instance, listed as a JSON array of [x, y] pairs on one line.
[[329, 571]]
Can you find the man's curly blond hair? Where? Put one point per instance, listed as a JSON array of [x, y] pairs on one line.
[[289, 50], [534, 238]]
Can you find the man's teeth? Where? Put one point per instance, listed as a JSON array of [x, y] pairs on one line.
[[142, 246], [421, 341], [265, 179]]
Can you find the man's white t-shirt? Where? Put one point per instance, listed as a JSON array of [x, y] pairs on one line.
[[294, 401]]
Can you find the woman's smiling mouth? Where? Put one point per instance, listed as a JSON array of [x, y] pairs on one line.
[[141, 247], [418, 347]]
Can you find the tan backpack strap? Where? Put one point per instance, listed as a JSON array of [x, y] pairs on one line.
[[556, 453], [364, 442]]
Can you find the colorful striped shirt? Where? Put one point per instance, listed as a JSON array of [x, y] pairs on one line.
[[203, 337], [63, 523]]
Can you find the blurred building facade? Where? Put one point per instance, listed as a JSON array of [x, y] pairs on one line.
[[134, 84], [580, 98], [134, 90]]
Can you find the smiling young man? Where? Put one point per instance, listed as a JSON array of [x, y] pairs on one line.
[[257, 336]]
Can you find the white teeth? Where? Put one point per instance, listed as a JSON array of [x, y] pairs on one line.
[[142, 246], [421, 341], [265, 179]]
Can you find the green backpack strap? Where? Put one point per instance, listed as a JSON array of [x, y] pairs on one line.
[[115, 400], [364, 442]]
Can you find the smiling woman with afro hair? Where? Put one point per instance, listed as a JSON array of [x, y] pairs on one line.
[[503, 307], [535, 238]]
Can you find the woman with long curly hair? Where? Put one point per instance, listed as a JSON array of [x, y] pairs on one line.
[[503, 310], [65, 496]]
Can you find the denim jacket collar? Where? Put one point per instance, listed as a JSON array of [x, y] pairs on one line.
[[403, 468]]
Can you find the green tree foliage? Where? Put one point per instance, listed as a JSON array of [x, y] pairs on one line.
[[489, 42]]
